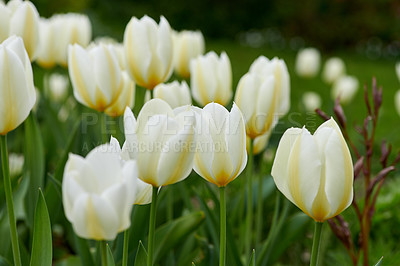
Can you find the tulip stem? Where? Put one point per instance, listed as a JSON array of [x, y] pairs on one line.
[[249, 217], [126, 246], [103, 250], [316, 244], [9, 200], [259, 209], [103, 129], [222, 244], [152, 227]]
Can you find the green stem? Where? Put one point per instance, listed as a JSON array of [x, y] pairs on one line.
[[103, 129], [316, 244], [170, 206], [126, 246], [259, 209], [9, 200], [222, 244], [103, 250], [152, 226], [249, 216]]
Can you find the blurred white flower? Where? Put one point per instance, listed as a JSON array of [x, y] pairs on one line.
[[308, 62], [16, 162], [58, 87], [311, 100], [187, 45], [345, 88], [333, 69], [175, 94]]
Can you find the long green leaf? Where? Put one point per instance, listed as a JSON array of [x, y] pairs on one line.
[[174, 232], [83, 251], [42, 243], [110, 258], [252, 261], [34, 160], [141, 255], [379, 262]]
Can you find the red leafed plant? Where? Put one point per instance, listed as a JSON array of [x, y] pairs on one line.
[[364, 201]]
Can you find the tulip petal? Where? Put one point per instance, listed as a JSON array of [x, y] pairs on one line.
[[70, 192]]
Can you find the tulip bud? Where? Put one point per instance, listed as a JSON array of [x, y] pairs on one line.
[[211, 78], [334, 68], [346, 88], [148, 50], [221, 148], [24, 22], [118, 47], [162, 140], [263, 95], [311, 101], [143, 191], [174, 94], [315, 172], [187, 45], [17, 92], [307, 62], [98, 192], [397, 101], [259, 143], [95, 75], [5, 15], [125, 99], [16, 164], [58, 87]]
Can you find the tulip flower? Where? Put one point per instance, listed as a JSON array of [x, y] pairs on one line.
[[125, 99], [221, 153], [161, 141], [16, 85], [345, 88], [315, 172], [5, 15], [174, 94], [16, 162], [311, 101], [59, 31], [58, 87], [95, 75], [397, 101], [259, 143], [24, 22], [308, 62], [98, 192], [211, 78], [148, 50], [334, 68], [187, 45]]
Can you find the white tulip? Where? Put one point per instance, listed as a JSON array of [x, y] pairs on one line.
[[98, 192], [346, 88], [16, 162], [17, 92], [148, 50], [95, 75], [211, 78], [187, 45], [5, 15], [311, 101], [173, 93], [334, 68], [308, 62], [125, 99], [221, 148], [24, 22], [162, 141], [259, 143], [315, 172]]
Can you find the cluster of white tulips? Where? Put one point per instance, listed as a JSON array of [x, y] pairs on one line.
[[308, 64], [170, 137]]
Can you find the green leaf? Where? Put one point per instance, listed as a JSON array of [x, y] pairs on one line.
[[174, 232], [252, 261], [34, 161], [42, 242], [110, 258], [379, 262], [83, 251], [141, 255], [4, 262]]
